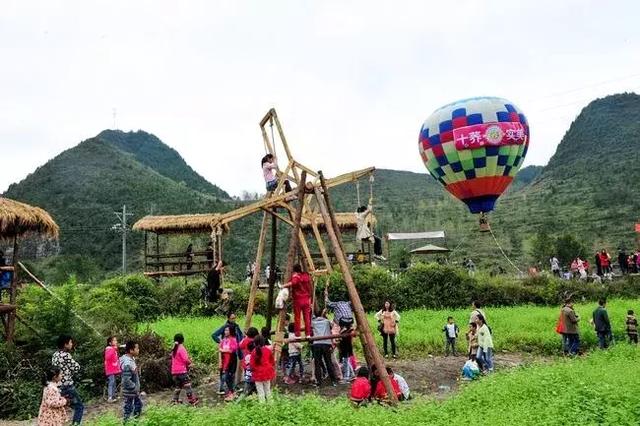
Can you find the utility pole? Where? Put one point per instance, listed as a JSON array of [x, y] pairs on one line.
[[123, 229]]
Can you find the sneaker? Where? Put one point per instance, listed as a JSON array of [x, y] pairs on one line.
[[334, 384], [395, 357], [221, 392], [176, 401], [112, 400]]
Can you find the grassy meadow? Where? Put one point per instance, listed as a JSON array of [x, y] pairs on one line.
[[522, 328], [585, 391]]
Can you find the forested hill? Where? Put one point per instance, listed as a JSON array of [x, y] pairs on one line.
[[84, 185], [588, 190]]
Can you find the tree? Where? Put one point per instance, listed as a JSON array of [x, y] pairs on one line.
[[568, 248], [542, 247]]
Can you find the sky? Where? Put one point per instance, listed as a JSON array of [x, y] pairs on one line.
[[352, 81]]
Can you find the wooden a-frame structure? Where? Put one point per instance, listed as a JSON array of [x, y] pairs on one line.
[[314, 207]]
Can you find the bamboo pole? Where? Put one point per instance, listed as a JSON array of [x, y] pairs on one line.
[[272, 269], [366, 336], [256, 273], [11, 316], [291, 258]]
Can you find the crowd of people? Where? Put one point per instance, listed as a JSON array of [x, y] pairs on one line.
[[601, 269], [569, 320]]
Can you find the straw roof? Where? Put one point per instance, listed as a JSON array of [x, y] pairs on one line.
[[346, 221], [178, 224], [18, 218]]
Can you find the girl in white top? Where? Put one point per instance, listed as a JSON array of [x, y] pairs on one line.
[[388, 319]]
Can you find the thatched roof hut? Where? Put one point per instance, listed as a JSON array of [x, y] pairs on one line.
[[18, 218], [178, 224], [345, 221]]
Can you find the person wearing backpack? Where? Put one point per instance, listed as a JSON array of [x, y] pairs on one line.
[[570, 321]]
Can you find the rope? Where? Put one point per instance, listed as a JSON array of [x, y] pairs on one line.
[[358, 192], [502, 251], [273, 138]]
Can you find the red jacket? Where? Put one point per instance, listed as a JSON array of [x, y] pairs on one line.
[[266, 370], [243, 346], [604, 260], [360, 389], [381, 391], [111, 364], [301, 288]]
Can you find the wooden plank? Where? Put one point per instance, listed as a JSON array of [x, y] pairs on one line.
[[256, 274], [366, 336], [278, 215]]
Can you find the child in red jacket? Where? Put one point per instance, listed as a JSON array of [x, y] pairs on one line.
[[263, 368], [111, 366], [360, 388], [381, 391]]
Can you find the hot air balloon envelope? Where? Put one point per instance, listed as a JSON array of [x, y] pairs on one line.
[[475, 147]]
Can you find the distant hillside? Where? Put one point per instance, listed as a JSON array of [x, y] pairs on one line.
[[150, 151], [83, 186]]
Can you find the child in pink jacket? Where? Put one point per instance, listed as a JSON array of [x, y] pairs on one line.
[[180, 363], [111, 366]]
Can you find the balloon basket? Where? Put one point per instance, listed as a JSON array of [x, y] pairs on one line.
[[483, 222]]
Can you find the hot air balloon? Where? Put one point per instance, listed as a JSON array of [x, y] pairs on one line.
[[475, 147]]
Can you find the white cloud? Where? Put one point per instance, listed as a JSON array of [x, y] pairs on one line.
[[352, 81]]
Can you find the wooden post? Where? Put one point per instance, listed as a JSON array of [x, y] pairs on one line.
[[366, 337], [256, 273], [158, 253], [11, 317], [272, 270], [291, 258], [146, 250]]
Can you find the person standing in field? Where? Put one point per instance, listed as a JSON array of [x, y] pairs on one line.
[[228, 362], [570, 321], [485, 344], [180, 363], [601, 323], [632, 327], [476, 311], [130, 381], [302, 290], [68, 366], [263, 368], [111, 367], [450, 331], [388, 320], [52, 408]]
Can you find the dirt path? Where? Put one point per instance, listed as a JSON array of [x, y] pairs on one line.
[[435, 375]]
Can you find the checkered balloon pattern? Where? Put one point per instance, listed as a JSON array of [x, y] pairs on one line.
[[475, 147]]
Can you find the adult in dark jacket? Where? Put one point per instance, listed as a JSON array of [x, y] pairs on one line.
[[570, 321], [602, 324], [231, 322], [598, 265], [623, 261]]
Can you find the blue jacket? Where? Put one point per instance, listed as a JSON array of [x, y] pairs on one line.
[[217, 335]]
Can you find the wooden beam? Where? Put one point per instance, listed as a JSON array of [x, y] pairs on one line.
[[315, 338], [256, 273], [278, 215], [366, 336], [321, 247]]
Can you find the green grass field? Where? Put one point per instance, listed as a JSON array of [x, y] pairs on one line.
[[597, 389], [523, 328]]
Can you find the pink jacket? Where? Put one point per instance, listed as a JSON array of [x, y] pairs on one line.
[[111, 364], [180, 362]]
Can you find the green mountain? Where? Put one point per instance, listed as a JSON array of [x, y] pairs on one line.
[[83, 187], [150, 151]]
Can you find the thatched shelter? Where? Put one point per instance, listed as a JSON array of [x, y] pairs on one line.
[[179, 224], [17, 219]]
